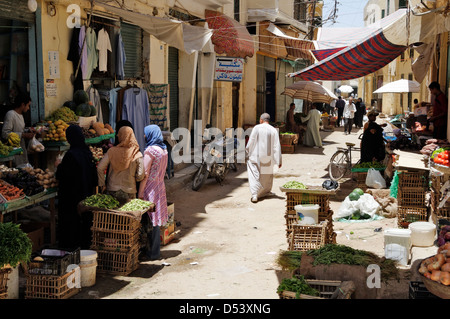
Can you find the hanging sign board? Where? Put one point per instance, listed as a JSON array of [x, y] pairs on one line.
[[229, 69]]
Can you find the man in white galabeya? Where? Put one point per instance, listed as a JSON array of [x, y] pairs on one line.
[[264, 151]]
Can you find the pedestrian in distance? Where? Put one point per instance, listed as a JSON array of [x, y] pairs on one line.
[[440, 111], [340, 104], [349, 115], [312, 136], [153, 189], [264, 151], [360, 112]]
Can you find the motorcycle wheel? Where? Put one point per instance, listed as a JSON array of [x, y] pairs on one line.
[[200, 178]]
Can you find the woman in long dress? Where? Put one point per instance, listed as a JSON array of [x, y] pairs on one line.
[[152, 188]]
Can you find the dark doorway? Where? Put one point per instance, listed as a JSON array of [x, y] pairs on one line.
[[270, 94]]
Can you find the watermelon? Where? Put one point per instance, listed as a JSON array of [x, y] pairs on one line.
[[71, 105], [80, 97], [353, 196], [93, 110], [358, 191], [83, 109]]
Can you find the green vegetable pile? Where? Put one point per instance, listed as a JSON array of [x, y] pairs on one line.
[[136, 205], [298, 285], [102, 201], [294, 185], [369, 165], [15, 245], [289, 259], [358, 216], [287, 133]]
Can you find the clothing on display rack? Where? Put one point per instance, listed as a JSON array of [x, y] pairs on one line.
[[120, 95], [120, 58], [113, 96], [136, 110], [74, 57], [94, 97], [83, 51], [92, 53], [103, 46]]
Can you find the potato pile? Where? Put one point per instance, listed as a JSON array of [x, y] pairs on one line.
[[45, 178], [97, 153], [437, 267]]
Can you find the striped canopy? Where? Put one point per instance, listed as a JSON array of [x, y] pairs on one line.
[[309, 91], [353, 62]]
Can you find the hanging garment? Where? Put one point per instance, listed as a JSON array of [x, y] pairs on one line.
[[74, 57], [83, 52], [94, 97], [120, 58], [119, 103], [103, 46], [135, 109], [92, 53], [113, 94]]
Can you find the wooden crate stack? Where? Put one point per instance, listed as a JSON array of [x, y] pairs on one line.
[[411, 197], [312, 236], [116, 239], [436, 195], [4, 274], [288, 142]]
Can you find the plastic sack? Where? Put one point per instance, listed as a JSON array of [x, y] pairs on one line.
[[34, 146], [329, 184], [374, 179], [366, 204]]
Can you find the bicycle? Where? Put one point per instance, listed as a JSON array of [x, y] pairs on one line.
[[341, 162]]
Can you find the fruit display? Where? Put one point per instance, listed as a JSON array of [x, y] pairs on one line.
[[56, 131], [441, 156], [102, 129], [64, 114], [5, 149], [13, 139], [97, 153], [89, 133], [437, 267], [80, 96], [443, 235], [86, 109]]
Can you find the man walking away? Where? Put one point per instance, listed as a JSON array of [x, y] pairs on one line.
[[440, 110], [349, 115], [264, 151], [340, 104]]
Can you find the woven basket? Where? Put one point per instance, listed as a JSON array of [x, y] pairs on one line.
[[108, 221], [49, 287], [411, 196], [292, 219], [296, 198], [287, 149], [439, 213], [407, 215], [326, 289], [114, 241], [4, 273], [410, 179], [307, 237], [361, 180], [118, 263]]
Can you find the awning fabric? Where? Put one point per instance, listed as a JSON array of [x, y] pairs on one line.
[[295, 47], [229, 36], [180, 35], [381, 44]]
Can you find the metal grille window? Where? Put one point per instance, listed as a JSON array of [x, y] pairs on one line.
[[132, 37], [300, 11]]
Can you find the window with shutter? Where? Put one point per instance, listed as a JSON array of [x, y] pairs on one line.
[[132, 37]]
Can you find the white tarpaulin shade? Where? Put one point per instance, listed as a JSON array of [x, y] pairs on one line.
[[345, 89], [400, 86], [180, 35], [309, 91]]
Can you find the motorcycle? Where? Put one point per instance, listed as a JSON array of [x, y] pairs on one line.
[[215, 163]]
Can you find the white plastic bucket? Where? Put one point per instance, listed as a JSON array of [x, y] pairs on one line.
[[88, 266], [308, 214], [422, 234], [397, 245]]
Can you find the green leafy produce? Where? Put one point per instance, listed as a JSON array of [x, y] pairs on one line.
[[353, 196], [15, 245], [289, 259], [102, 201], [294, 185], [369, 165], [298, 285], [136, 205]]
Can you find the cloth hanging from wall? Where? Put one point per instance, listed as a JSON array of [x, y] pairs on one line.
[[113, 94], [120, 58], [94, 97], [103, 46], [158, 105], [74, 56], [136, 110], [92, 53], [83, 51]]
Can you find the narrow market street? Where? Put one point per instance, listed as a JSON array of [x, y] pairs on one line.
[[227, 246]]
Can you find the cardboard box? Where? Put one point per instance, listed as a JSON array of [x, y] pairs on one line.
[[167, 233], [35, 232]]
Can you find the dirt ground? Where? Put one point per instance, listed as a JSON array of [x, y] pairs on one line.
[[227, 246]]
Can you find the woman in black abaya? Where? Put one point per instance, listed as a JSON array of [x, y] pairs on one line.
[[77, 178]]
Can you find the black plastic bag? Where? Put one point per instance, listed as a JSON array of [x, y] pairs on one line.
[[329, 184]]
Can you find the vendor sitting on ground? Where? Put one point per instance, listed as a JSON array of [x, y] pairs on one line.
[[372, 144]]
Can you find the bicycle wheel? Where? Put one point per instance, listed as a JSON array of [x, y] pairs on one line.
[[339, 163]]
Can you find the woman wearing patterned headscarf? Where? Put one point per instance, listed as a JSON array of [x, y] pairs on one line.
[[152, 188], [126, 167], [77, 179]]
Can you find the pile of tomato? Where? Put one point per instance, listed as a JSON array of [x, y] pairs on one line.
[[442, 158]]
